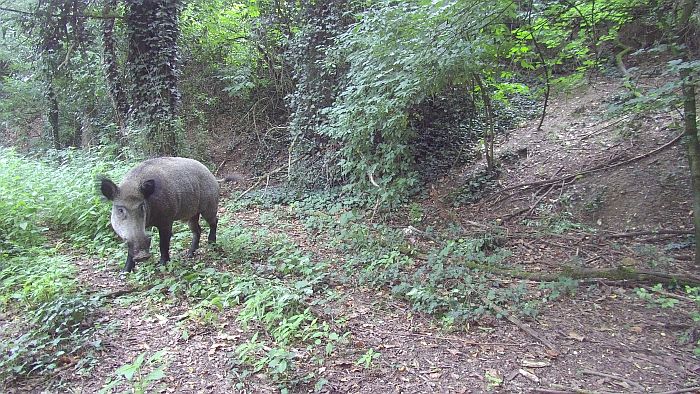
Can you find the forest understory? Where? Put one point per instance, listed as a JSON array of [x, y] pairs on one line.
[[548, 282]]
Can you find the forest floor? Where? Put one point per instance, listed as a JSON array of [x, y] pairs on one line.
[[631, 211]]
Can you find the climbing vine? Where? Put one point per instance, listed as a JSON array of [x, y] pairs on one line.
[[152, 72]]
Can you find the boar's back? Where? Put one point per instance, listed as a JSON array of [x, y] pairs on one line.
[[182, 188]]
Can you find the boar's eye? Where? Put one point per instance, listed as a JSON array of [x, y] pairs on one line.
[[142, 207], [121, 211]]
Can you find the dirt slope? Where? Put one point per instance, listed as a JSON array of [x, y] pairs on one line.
[[580, 134]]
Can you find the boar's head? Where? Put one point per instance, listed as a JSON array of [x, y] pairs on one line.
[[130, 214]]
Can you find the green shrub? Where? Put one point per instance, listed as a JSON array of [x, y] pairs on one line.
[[58, 195]]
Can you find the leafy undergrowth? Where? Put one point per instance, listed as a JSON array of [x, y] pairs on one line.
[[449, 277], [38, 287], [280, 279]]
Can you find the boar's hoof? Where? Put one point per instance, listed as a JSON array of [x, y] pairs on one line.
[[129, 266]]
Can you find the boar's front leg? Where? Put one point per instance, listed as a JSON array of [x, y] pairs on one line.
[[130, 264], [165, 232]]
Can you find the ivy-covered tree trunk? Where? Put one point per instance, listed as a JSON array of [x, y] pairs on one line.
[[52, 29], [690, 129], [152, 62], [316, 87], [53, 113], [114, 83]]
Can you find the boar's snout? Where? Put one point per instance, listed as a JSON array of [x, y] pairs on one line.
[[140, 250]]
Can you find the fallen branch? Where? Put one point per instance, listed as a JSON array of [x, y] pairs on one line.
[[477, 224], [113, 294], [519, 212], [694, 389], [642, 233], [118, 293], [589, 171], [668, 294], [529, 330], [219, 167], [605, 127], [614, 274], [459, 340], [539, 200], [559, 389]]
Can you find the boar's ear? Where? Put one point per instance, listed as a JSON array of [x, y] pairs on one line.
[[148, 187], [108, 188]]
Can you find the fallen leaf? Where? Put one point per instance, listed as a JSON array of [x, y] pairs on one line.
[[636, 329], [214, 347], [529, 375], [575, 335], [454, 352], [535, 364], [227, 337], [435, 375], [162, 320]]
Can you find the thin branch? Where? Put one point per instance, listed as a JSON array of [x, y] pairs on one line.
[[265, 176], [37, 14], [643, 233], [17, 11]]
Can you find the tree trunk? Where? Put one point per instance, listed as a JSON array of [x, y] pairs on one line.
[[691, 136], [152, 61], [116, 90], [690, 117], [490, 131], [53, 114]]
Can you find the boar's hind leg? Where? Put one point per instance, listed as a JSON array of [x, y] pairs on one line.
[[212, 221], [165, 232], [196, 234]]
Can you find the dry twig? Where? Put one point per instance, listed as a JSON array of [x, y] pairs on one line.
[[614, 377]]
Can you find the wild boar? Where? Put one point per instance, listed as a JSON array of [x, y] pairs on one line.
[[155, 194]]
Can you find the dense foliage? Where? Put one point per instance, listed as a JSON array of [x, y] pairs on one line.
[[39, 200], [349, 77]]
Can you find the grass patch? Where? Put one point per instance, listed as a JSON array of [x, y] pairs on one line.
[[50, 206]]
